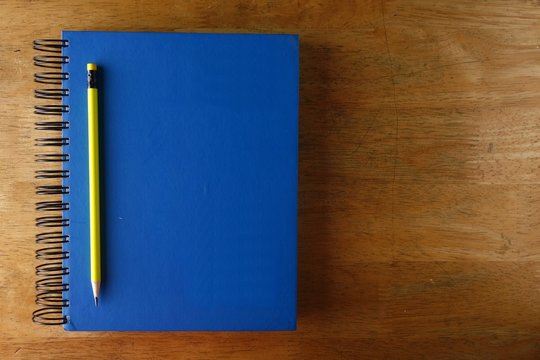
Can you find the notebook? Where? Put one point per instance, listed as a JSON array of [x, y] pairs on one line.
[[198, 163]]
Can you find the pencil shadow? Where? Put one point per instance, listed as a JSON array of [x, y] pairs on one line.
[[102, 84]]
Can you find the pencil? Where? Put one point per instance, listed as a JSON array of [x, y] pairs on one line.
[[93, 174]]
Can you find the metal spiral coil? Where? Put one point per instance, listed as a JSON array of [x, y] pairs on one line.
[[50, 61], [55, 205], [50, 45], [51, 174], [51, 125], [52, 141], [50, 109], [52, 157], [50, 286], [51, 94], [52, 190], [51, 77], [52, 237]]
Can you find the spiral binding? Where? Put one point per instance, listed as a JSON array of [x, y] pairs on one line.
[[50, 286]]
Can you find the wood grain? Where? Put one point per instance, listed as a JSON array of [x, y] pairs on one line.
[[419, 232]]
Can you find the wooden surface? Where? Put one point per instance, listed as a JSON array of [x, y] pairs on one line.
[[419, 201]]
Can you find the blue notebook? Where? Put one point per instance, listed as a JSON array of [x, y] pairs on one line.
[[199, 138]]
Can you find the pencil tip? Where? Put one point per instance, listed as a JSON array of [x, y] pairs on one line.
[[95, 291]]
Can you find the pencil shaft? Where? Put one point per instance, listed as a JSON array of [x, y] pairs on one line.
[[93, 171]]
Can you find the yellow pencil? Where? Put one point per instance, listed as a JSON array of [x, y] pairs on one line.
[[93, 173]]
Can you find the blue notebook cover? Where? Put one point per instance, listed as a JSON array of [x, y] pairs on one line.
[[199, 137]]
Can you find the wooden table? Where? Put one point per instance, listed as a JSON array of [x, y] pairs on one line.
[[419, 201]]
